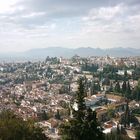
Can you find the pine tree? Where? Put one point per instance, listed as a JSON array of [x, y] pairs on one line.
[[124, 87], [80, 101], [57, 115], [128, 90], [125, 74], [44, 116], [127, 115], [111, 87], [91, 126], [117, 87], [138, 135], [84, 124], [136, 91]]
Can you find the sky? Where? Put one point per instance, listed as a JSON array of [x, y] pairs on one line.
[[28, 24]]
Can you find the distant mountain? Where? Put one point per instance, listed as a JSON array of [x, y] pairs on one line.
[[51, 51], [41, 53], [120, 52], [84, 52]]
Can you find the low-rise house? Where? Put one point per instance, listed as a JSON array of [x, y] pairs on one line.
[[102, 114], [114, 98]]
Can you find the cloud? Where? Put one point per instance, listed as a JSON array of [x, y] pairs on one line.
[[35, 12], [5, 5], [71, 23], [118, 18], [105, 13]]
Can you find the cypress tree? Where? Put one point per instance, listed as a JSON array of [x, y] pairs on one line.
[[84, 124], [128, 90], [117, 87], [127, 115], [80, 101], [124, 87]]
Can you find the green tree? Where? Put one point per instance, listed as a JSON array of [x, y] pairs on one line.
[[13, 127], [137, 91], [137, 135], [128, 90], [117, 87], [124, 87], [111, 87], [93, 88], [116, 136], [127, 115], [80, 101], [57, 115], [84, 124], [44, 115], [110, 112], [125, 74]]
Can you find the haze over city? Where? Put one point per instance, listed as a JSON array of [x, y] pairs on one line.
[[28, 24], [69, 70]]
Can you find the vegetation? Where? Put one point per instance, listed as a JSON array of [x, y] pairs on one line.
[[89, 67], [14, 128], [84, 124], [116, 136], [138, 135], [136, 92]]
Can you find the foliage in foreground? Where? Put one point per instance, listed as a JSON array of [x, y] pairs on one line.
[[84, 124], [116, 136], [14, 128]]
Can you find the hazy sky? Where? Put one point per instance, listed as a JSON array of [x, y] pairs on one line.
[[26, 24]]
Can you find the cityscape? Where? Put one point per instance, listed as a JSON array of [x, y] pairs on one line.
[[69, 70], [45, 91]]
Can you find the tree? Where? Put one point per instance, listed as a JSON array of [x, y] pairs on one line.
[[138, 135], [92, 88], [111, 87], [13, 127], [97, 86], [136, 91], [110, 112], [84, 124], [57, 115], [106, 81], [44, 116], [80, 101], [127, 115], [117, 87], [125, 74], [124, 87], [116, 136], [128, 90]]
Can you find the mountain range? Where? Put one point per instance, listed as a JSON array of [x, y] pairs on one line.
[[41, 53]]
